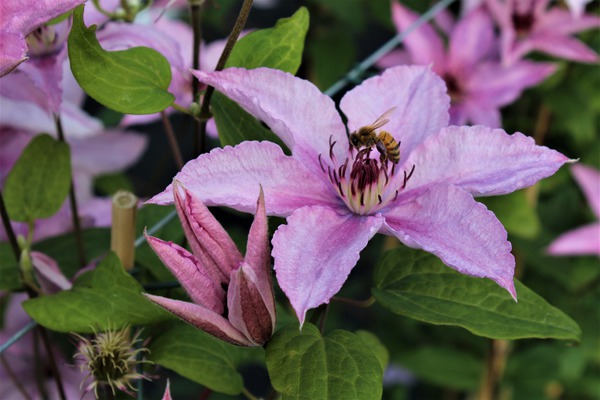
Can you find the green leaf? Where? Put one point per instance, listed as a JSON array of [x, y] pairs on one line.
[[132, 81], [96, 243], [418, 285], [39, 181], [378, 349], [438, 365], [235, 125], [9, 269], [107, 297], [305, 365], [279, 47], [516, 213], [200, 357]]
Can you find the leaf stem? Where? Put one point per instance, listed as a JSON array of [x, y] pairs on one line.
[[12, 238], [72, 200], [172, 139], [231, 40]]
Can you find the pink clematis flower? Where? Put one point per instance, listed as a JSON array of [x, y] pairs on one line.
[[336, 198], [477, 83], [528, 25], [18, 19], [584, 240], [216, 261], [577, 7]]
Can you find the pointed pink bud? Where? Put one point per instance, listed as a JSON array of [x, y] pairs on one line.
[[210, 243], [248, 311], [189, 271], [202, 318], [48, 274], [258, 255]]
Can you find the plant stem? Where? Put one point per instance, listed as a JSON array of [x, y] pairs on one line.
[[195, 15], [231, 40], [14, 378], [494, 369], [540, 130], [72, 200], [12, 238], [172, 139], [50, 353], [248, 395]]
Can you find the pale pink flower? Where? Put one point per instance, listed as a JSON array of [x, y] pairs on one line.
[[577, 7], [244, 313], [478, 84], [586, 239], [528, 25], [19, 18], [335, 198]]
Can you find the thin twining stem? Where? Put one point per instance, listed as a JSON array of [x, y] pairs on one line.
[[172, 139], [356, 73], [12, 238], [196, 20], [231, 40], [72, 201]]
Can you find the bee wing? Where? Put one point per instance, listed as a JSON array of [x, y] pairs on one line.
[[383, 119]]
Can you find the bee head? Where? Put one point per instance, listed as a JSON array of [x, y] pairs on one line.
[[355, 139]]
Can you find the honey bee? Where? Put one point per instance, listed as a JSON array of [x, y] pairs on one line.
[[383, 141]]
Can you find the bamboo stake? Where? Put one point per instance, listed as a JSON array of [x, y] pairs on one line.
[[124, 208]]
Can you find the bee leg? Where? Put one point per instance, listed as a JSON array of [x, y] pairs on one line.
[[382, 151]]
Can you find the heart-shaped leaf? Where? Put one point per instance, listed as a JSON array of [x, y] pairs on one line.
[[200, 357], [305, 365], [418, 285], [132, 81], [39, 181]]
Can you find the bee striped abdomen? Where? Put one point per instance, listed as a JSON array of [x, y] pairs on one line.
[[389, 148]]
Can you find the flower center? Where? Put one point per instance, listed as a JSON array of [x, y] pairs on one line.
[[365, 187], [455, 90], [522, 23]]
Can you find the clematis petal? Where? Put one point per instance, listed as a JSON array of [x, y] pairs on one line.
[[478, 112], [210, 243], [48, 274], [423, 44], [202, 318], [558, 20], [315, 252], [258, 256], [110, 151], [13, 51], [464, 234], [589, 181], [232, 176], [197, 282], [565, 47], [471, 41], [302, 116], [580, 241], [577, 7], [418, 94], [495, 84], [246, 306], [482, 161]]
